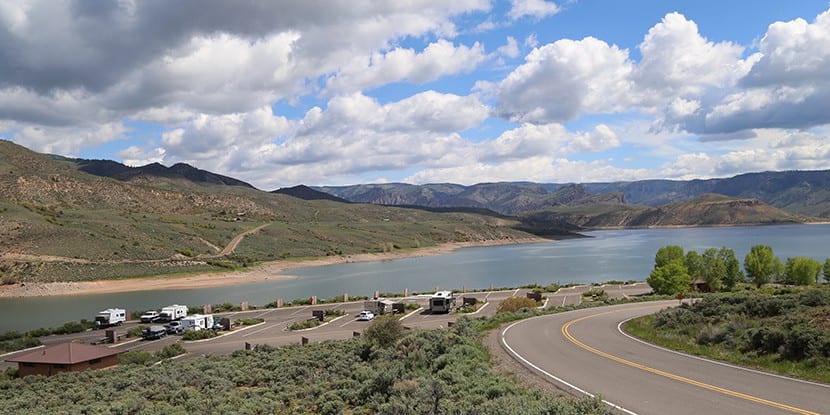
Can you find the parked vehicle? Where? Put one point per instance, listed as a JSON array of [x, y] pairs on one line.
[[173, 312], [110, 317], [441, 302], [365, 315], [150, 317], [197, 322], [174, 327], [154, 332]]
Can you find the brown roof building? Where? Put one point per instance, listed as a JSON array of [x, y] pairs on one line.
[[64, 357]]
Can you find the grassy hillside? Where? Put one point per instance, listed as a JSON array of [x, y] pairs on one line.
[[60, 223], [780, 330]]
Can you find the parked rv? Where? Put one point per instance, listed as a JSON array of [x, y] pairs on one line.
[[154, 332], [441, 302], [379, 306], [197, 322], [110, 317], [150, 317], [173, 312]]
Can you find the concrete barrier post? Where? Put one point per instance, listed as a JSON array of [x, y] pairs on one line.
[[280, 303], [345, 297]]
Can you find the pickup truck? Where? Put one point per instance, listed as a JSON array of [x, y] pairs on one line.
[[174, 327], [150, 317]]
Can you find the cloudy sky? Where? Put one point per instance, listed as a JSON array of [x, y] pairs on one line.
[[465, 91]]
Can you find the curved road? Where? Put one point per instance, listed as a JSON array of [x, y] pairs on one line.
[[585, 352]]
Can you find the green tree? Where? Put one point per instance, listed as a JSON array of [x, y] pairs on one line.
[[713, 269], [827, 270], [694, 264], [733, 273], [671, 278], [667, 254], [802, 271], [762, 265]]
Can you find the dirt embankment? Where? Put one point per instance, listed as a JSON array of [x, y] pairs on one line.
[[266, 272]]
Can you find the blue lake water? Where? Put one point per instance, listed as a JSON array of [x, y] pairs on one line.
[[607, 255]]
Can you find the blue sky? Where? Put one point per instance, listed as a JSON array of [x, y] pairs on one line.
[[344, 92]]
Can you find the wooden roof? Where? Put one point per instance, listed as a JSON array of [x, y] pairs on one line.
[[65, 354]]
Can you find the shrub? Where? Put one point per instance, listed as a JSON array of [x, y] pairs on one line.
[[169, 351], [385, 331], [597, 294], [190, 335], [135, 357], [514, 304], [248, 321], [136, 331], [302, 325]]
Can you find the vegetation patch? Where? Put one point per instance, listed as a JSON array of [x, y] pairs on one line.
[[780, 330], [248, 321], [190, 335], [393, 372]]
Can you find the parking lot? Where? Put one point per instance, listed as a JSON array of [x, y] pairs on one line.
[[274, 330]]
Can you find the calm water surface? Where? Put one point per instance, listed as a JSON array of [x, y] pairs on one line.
[[617, 255]]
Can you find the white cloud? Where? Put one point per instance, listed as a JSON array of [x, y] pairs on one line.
[[74, 64], [537, 9], [539, 169], [769, 150], [438, 59], [71, 139], [784, 85], [560, 80], [510, 49], [678, 61]]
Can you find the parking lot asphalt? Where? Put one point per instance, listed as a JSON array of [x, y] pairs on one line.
[[274, 330]]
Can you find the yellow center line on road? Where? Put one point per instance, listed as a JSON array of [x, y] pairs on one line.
[[693, 382]]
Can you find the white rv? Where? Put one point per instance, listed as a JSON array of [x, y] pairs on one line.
[[173, 312], [110, 317], [197, 322], [441, 302]]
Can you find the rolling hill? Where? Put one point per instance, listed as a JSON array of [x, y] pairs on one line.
[[61, 223]]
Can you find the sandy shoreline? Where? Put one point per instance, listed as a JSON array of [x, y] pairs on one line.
[[270, 271]]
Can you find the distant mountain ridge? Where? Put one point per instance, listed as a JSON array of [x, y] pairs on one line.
[[306, 193], [706, 210], [798, 192], [118, 171]]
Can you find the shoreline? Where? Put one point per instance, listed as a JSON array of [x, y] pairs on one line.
[[268, 271]]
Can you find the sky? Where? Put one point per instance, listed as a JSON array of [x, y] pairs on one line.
[[338, 92]]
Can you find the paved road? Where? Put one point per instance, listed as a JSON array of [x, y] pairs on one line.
[[583, 351]]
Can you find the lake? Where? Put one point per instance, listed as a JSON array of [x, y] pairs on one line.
[[607, 255]]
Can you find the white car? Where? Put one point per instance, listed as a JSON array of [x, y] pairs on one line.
[[365, 315], [150, 317]]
